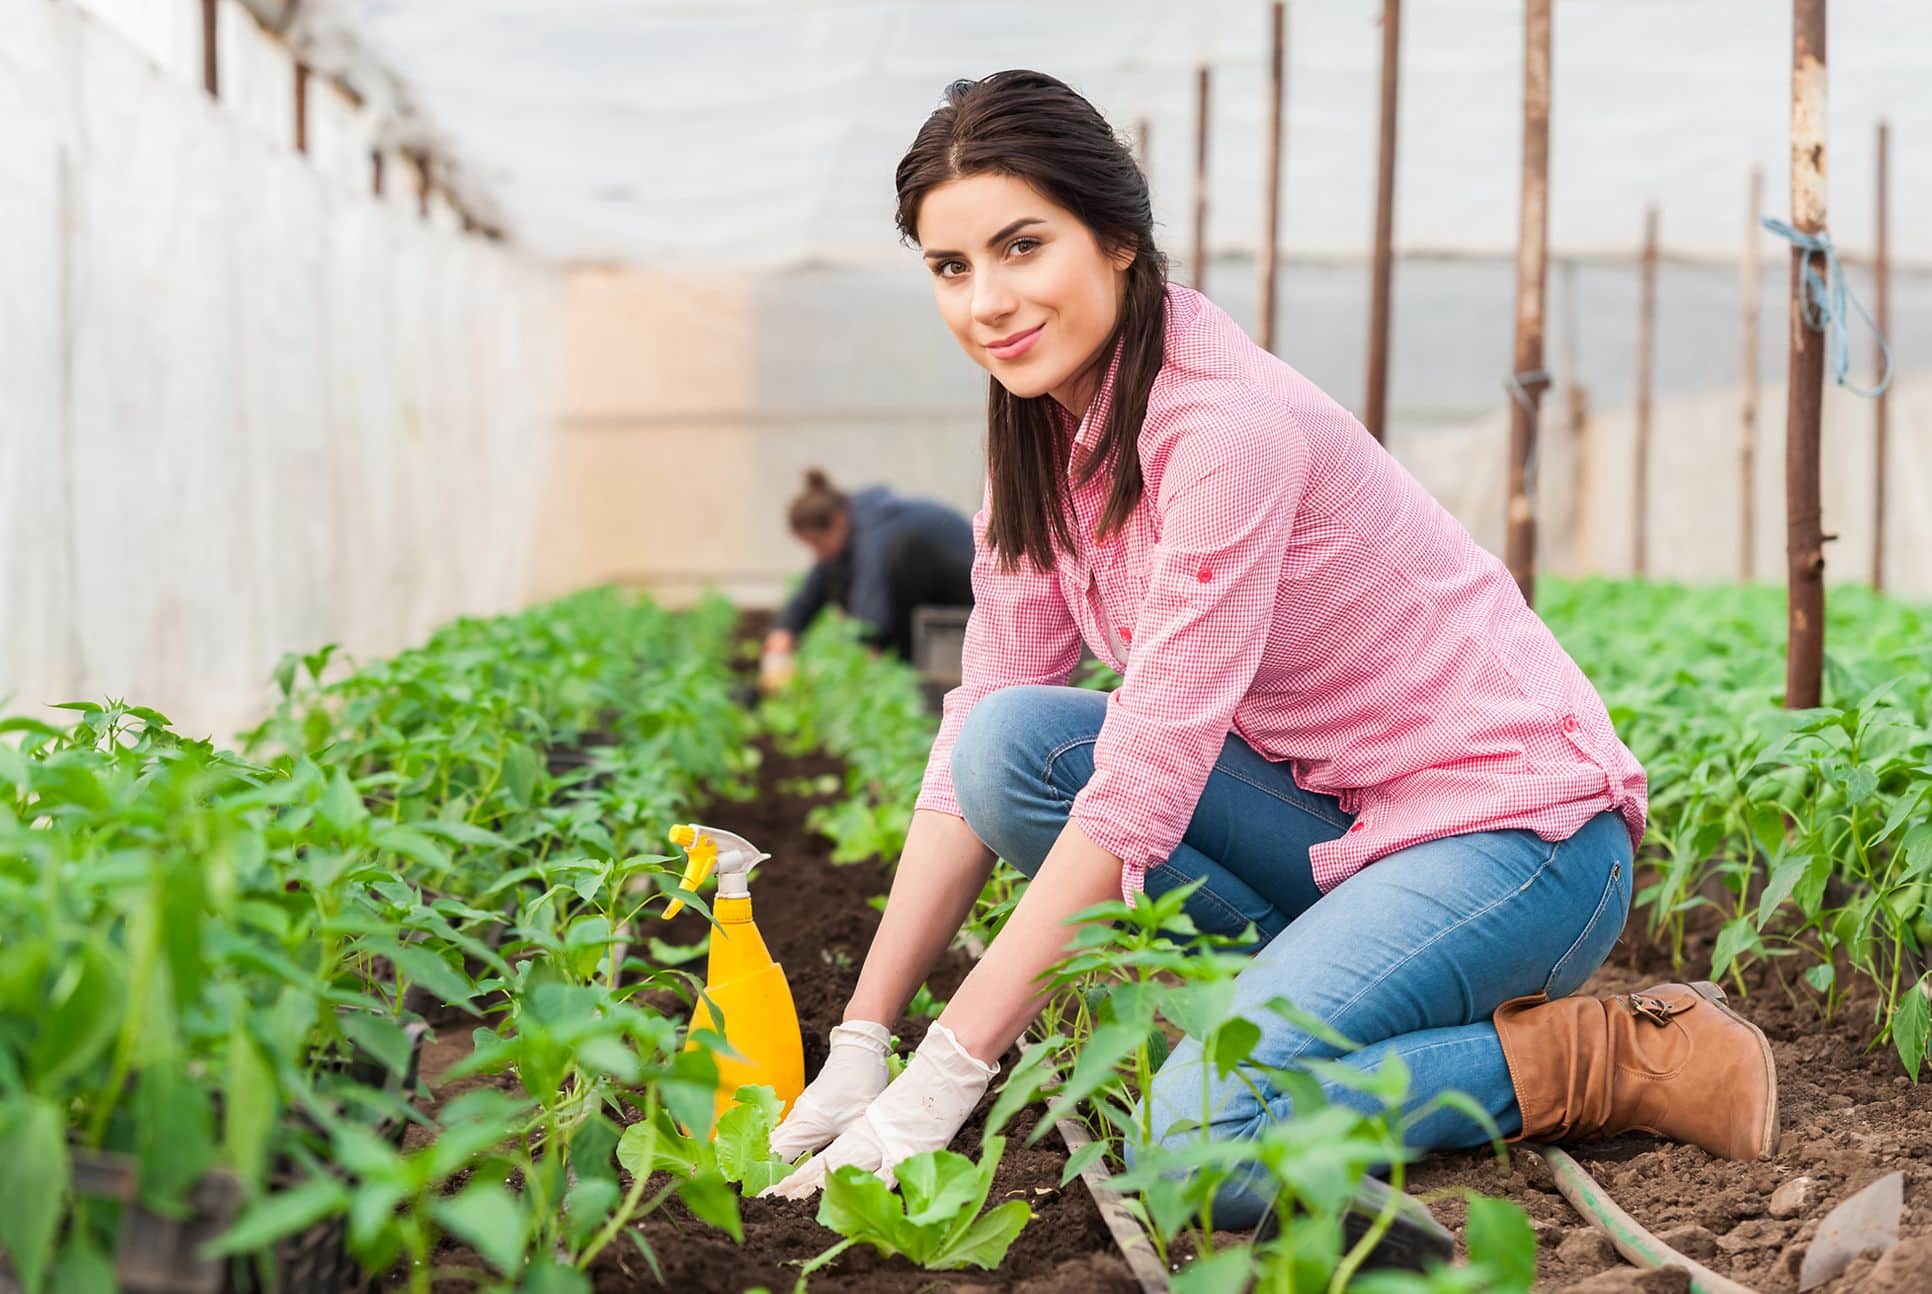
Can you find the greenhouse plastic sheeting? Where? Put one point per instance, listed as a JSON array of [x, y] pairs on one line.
[[248, 408], [755, 133]]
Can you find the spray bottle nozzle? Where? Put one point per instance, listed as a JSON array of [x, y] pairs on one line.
[[732, 856]]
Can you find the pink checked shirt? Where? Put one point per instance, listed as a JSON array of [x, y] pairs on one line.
[[1285, 579]]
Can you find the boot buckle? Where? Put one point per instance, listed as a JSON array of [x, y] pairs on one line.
[[1657, 1010]]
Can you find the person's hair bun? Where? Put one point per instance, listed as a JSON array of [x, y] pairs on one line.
[[816, 479]]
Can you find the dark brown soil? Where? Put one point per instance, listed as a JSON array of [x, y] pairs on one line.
[[1849, 1116]]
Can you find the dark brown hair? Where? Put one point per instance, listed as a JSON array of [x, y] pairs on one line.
[[816, 506], [1036, 129]]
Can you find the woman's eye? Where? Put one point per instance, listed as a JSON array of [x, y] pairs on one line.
[[945, 269], [1021, 246]]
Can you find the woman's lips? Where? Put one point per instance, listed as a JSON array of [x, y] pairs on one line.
[[1016, 345]]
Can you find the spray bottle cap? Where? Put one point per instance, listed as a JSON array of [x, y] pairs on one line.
[[731, 855]]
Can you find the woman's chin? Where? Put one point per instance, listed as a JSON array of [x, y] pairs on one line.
[[1024, 386]]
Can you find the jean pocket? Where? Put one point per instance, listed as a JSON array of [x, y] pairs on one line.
[[1594, 942]]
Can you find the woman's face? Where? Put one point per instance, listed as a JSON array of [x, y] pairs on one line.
[[1028, 292]]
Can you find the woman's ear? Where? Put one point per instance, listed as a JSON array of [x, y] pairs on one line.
[[1122, 256]]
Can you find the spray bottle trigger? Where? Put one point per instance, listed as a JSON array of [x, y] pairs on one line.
[[703, 857]]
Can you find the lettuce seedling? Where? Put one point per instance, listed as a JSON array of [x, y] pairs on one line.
[[935, 1219]]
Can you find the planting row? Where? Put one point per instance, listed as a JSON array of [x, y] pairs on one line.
[[212, 965], [1810, 830]]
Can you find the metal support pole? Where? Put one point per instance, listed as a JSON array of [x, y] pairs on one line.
[[1804, 383], [1646, 350], [1200, 178], [1375, 406], [1271, 204], [1531, 255], [1882, 317], [1747, 549]]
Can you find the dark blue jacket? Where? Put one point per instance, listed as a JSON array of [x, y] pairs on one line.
[[857, 578]]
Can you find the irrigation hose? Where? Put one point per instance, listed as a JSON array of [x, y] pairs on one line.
[[1588, 1198]]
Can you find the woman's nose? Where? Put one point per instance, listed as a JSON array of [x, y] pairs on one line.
[[992, 300]]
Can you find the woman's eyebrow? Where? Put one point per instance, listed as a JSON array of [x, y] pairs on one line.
[[998, 238]]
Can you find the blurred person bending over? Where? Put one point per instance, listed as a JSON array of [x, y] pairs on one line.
[[878, 555]]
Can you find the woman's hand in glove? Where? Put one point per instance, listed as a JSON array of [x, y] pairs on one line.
[[921, 1110], [853, 1074]]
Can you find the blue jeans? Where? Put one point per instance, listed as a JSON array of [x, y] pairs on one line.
[[1410, 956]]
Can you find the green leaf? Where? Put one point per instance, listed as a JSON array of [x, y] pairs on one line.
[[712, 1200], [1911, 1025], [1820, 976], [521, 768], [1227, 1272], [861, 1207], [985, 1243], [1862, 785], [1234, 1043], [268, 1220], [547, 1276], [83, 1269], [1737, 936], [250, 1109], [33, 1182], [1078, 1161], [488, 1218], [1500, 1239], [938, 1186], [587, 1205], [380, 1038], [743, 1140], [413, 845], [341, 806], [174, 1137]]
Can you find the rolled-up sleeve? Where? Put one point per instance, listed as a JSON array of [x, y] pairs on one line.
[[1227, 502], [1020, 632]]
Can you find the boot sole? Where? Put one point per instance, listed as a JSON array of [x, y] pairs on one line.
[[1716, 996]]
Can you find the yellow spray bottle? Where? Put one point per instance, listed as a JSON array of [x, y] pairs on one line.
[[749, 988]]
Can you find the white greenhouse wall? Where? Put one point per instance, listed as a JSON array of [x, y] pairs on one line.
[[244, 406]]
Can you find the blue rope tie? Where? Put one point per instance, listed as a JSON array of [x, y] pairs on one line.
[[1826, 299]]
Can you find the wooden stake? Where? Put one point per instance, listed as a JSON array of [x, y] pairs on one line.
[[1375, 406], [1200, 178], [210, 48], [1804, 381], [1882, 318], [1271, 229], [1531, 254], [1144, 151], [301, 107], [1646, 349], [1747, 548]]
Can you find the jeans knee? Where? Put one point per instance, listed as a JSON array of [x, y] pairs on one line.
[[989, 765]]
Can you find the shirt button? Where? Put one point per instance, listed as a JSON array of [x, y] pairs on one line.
[[1126, 634], [1569, 723], [1358, 825], [1204, 575]]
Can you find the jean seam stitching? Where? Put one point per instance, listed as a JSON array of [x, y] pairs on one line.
[[1419, 949], [1293, 804], [1053, 757], [1589, 927]]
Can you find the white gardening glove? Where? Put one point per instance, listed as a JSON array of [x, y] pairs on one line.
[[853, 1074], [921, 1110]]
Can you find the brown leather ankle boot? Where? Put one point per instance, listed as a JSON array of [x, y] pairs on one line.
[[1674, 1060]]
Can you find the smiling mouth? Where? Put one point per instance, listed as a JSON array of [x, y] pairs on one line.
[[1017, 344]]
